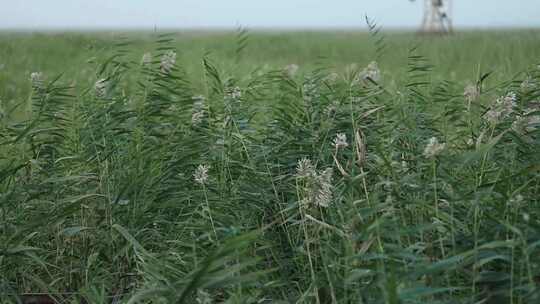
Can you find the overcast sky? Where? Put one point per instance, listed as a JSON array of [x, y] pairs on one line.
[[145, 14]]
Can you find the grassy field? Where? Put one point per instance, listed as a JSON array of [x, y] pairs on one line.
[[266, 167], [459, 58]]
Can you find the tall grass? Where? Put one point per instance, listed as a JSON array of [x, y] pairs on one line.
[[151, 185]]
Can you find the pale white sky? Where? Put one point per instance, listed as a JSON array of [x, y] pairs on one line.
[[144, 14]]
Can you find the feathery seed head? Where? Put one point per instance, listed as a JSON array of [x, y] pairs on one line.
[[516, 201], [493, 116], [404, 166], [291, 69], [167, 61], [323, 193], [309, 90], [503, 107], [340, 141], [305, 168], [318, 185], [236, 93], [233, 94], [526, 123], [433, 148], [201, 174], [198, 109], [370, 72], [146, 59], [197, 117], [520, 124], [528, 84], [509, 102], [100, 88], [332, 77], [37, 79], [471, 93]]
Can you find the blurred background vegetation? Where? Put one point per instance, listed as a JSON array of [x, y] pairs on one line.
[[459, 58]]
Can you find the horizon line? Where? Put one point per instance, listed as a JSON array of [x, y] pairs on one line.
[[254, 28]]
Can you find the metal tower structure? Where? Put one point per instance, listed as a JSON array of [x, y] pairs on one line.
[[437, 16]]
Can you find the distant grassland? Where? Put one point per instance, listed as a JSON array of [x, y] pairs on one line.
[[459, 58]]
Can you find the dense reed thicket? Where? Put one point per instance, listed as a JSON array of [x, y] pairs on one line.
[[279, 186]]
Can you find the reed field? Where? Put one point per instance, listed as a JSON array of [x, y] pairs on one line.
[[270, 167]]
